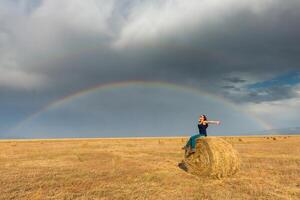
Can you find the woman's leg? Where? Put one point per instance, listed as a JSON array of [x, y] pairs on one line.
[[188, 144], [193, 141]]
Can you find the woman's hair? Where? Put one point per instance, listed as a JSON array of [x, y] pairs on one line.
[[205, 119]]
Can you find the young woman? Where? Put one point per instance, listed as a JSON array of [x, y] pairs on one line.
[[202, 126]]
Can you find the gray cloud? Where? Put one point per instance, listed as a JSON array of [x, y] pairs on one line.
[[250, 39], [235, 80], [268, 94]]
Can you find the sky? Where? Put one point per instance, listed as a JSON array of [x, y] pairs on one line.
[[155, 66]]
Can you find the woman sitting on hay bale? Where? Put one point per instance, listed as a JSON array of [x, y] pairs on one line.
[[202, 126]]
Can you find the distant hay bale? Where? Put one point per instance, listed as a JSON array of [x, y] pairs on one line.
[[161, 142], [274, 138], [214, 157], [240, 139], [85, 144], [13, 144]]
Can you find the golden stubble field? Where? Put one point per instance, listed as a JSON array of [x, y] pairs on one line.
[[144, 168]]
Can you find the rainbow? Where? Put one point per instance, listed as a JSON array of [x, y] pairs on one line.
[[125, 84]]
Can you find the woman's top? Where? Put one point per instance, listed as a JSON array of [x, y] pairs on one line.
[[202, 129]]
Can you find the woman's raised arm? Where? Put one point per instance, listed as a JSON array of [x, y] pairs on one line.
[[213, 122]]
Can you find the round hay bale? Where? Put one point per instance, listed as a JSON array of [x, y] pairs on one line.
[[214, 157]]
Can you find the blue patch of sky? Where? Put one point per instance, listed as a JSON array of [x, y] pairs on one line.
[[32, 5], [27, 6], [288, 79]]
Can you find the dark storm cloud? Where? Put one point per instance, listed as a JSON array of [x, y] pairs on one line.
[[250, 42], [234, 80], [54, 48], [231, 87], [275, 93], [284, 86]]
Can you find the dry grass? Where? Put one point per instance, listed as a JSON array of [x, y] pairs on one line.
[[143, 169], [214, 157]]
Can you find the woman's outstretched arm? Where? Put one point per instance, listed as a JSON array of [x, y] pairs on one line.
[[213, 122]]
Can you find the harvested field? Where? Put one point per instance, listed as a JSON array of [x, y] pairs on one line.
[[144, 168]]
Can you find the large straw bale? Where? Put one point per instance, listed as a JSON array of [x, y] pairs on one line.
[[214, 157]]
